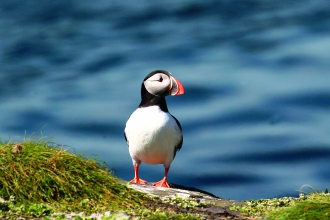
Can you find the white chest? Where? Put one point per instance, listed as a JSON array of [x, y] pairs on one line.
[[152, 135]]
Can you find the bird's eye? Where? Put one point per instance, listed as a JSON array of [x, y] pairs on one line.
[[160, 79]]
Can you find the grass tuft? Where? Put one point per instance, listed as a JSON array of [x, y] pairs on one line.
[[35, 172]]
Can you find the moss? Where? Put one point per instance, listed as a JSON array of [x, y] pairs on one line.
[[188, 203], [316, 206], [311, 206]]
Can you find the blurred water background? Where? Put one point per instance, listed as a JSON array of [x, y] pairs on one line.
[[256, 114]]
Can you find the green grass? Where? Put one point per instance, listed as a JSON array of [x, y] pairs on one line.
[[307, 207], [38, 178], [46, 174], [316, 206]]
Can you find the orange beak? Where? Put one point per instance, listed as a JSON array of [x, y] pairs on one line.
[[176, 87]]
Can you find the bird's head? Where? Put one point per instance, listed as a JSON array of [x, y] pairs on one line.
[[161, 83]]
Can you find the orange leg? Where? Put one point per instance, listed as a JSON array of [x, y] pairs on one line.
[[136, 176], [163, 182]]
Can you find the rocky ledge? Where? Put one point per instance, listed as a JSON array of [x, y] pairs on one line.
[[206, 205]]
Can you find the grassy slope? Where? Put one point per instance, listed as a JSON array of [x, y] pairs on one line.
[[38, 179]]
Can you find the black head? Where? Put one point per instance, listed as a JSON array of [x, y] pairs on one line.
[[156, 86]]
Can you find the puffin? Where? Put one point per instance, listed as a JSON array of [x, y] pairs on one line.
[[152, 134]]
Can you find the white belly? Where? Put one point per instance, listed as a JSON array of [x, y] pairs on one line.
[[152, 135]]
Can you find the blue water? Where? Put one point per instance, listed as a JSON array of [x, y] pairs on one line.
[[256, 114]]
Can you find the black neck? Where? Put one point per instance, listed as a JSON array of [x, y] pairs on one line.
[[151, 100]]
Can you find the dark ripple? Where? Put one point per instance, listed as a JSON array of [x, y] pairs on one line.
[[271, 140], [103, 63], [192, 10], [70, 96], [290, 61], [226, 10], [291, 156], [317, 20], [31, 121], [320, 99], [27, 48], [323, 174], [198, 94], [15, 79], [247, 116], [37, 45], [94, 128], [241, 117], [38, 11], [256, 45], [185, 54], [140, 18], [48, 12], [21, 75], [223, 179]]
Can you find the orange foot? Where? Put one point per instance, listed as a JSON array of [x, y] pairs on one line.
[[162, 183], [138, 181]]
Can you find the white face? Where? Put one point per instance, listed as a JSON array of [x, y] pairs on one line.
[[158, 84]]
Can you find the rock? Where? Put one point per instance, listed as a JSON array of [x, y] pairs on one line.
[[17, 148], [214, 208]]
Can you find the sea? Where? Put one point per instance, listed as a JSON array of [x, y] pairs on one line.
[[256, 113]]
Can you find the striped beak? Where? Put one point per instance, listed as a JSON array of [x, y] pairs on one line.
[[176, 87]]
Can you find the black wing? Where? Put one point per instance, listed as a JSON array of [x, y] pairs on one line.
[[179, 145], [125, 133], [125, 137]]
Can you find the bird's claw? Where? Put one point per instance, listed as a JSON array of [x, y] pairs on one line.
[[162, 183], [139, 181]]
